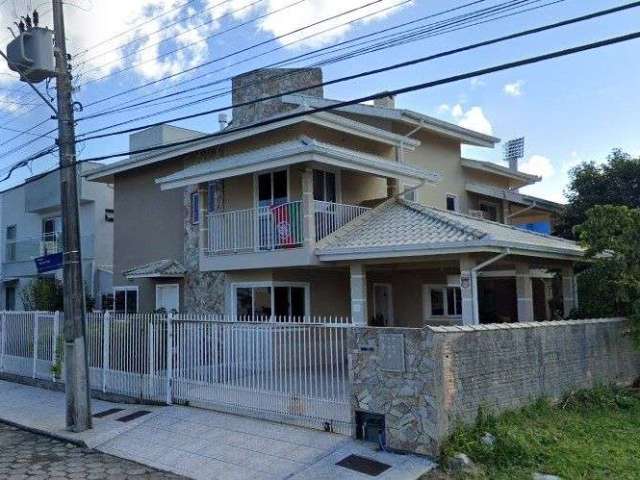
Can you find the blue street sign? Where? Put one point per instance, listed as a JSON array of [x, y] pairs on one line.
[[49, 263]]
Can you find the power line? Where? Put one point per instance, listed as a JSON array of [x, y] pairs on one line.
[[399, 91], [438, 27], [237, 52], [380, 70]]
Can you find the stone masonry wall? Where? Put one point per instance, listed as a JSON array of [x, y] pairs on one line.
[[449, 372]]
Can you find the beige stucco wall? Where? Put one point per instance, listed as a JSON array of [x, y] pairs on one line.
[[148, 225]]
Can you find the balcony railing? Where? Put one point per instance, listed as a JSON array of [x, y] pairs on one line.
[[273, 228], [331, 216], [30, 248]]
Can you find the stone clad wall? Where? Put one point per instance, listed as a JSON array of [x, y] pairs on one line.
[[449, 372]]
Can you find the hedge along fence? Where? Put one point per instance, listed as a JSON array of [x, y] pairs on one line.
[[448, 373]]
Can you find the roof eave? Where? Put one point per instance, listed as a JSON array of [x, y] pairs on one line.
[[479, 165]]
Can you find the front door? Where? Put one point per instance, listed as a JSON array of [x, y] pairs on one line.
[[168, 298], [382, 305]]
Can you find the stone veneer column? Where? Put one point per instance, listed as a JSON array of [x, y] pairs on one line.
[[203, 237], [468, 289], [308, 208], [524, 293], [358, 274], [568, 291]]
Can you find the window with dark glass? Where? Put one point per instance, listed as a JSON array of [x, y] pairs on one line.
[[195, 207], [272, 188], [490, 211], [437, 302], [125, 300], [452, 201], [10, 235], [454, 301], [324, 186]]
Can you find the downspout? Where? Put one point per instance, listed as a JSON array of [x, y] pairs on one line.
[[474, 281]]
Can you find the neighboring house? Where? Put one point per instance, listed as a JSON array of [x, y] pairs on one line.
[[32, 228], [367, 211]]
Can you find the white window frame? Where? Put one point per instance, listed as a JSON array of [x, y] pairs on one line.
[[165, 285], [256, 175], [389, 288], [415, 193], [271, 286], [492, 204], [338, 176], [130, 288], [456, 202], [426, 302]]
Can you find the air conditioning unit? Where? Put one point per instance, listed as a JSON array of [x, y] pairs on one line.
[[476, 213]]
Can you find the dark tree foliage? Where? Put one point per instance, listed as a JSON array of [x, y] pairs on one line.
[[615, 182]]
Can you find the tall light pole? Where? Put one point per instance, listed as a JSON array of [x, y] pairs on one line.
[[78, 414]]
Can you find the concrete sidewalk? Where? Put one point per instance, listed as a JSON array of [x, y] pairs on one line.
[[203, 444]]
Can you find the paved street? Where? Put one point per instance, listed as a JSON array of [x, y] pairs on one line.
[[27, 456]]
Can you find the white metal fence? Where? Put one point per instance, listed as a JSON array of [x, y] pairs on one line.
[[290, 371]]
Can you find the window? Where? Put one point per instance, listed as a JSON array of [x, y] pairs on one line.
[[10, 298], [125, 300], [452, 202], [10, 235], [213, 189], [51, 228], [490, 211], [262, 301], [443, 301], [273, 188], [411, 196], [195, 207], [324, 186], [168, 297]]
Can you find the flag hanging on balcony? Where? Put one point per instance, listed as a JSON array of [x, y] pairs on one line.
[[282, 222]]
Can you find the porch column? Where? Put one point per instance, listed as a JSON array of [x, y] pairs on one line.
[[358, 274], [308, 208], [468, 289], [505, 212], [203, 237], [524, 293], [393, 187], [568, 291]]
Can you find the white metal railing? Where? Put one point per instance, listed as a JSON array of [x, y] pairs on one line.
[[331, 216], [29, 248], [256, 229], [282, 368]]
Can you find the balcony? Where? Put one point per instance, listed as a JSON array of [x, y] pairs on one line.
[[26, 250], [275, 235]]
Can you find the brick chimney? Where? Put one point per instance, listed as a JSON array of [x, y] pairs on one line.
[[267, 82]]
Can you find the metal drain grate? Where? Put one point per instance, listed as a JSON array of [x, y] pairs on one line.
[[364, 465], [133, 416], [106, 413]]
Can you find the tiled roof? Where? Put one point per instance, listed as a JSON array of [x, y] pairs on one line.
[[398, 225], [166, 268]]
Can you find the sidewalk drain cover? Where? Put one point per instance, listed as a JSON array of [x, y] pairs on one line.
[[133, 416], [363, 465], [106, 413]]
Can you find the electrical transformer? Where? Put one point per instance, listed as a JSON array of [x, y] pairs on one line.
[[31, 54]]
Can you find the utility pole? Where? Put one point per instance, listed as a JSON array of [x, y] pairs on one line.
[[78, 415]]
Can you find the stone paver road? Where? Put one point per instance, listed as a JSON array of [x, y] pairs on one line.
[[27, 456]]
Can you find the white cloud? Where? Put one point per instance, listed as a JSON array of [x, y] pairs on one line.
[[475, 119], [538, 165], [514, 89], [477, 82], [457, 111], [444, 108]]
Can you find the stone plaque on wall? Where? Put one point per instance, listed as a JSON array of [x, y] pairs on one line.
[[391, 348]]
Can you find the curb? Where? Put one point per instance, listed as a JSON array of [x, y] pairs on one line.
[[46, 433]]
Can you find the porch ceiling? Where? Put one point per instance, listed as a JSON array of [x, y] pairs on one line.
[[304, 149], [399, 228]]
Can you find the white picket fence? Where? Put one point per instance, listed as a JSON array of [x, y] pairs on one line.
[[284, 369]]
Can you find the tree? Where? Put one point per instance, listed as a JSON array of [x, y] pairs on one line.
[[616, 182], [46, 295], [611, 235]]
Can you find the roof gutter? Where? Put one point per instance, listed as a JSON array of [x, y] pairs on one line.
[[474, 281]]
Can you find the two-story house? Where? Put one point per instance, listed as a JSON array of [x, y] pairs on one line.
[[366, 211], [31, 226]]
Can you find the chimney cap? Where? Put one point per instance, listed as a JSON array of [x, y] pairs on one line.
[[388, 101]]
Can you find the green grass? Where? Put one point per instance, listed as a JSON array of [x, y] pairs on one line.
[[589, 435]]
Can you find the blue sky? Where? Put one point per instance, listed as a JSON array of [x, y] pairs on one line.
[[571, 109]]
